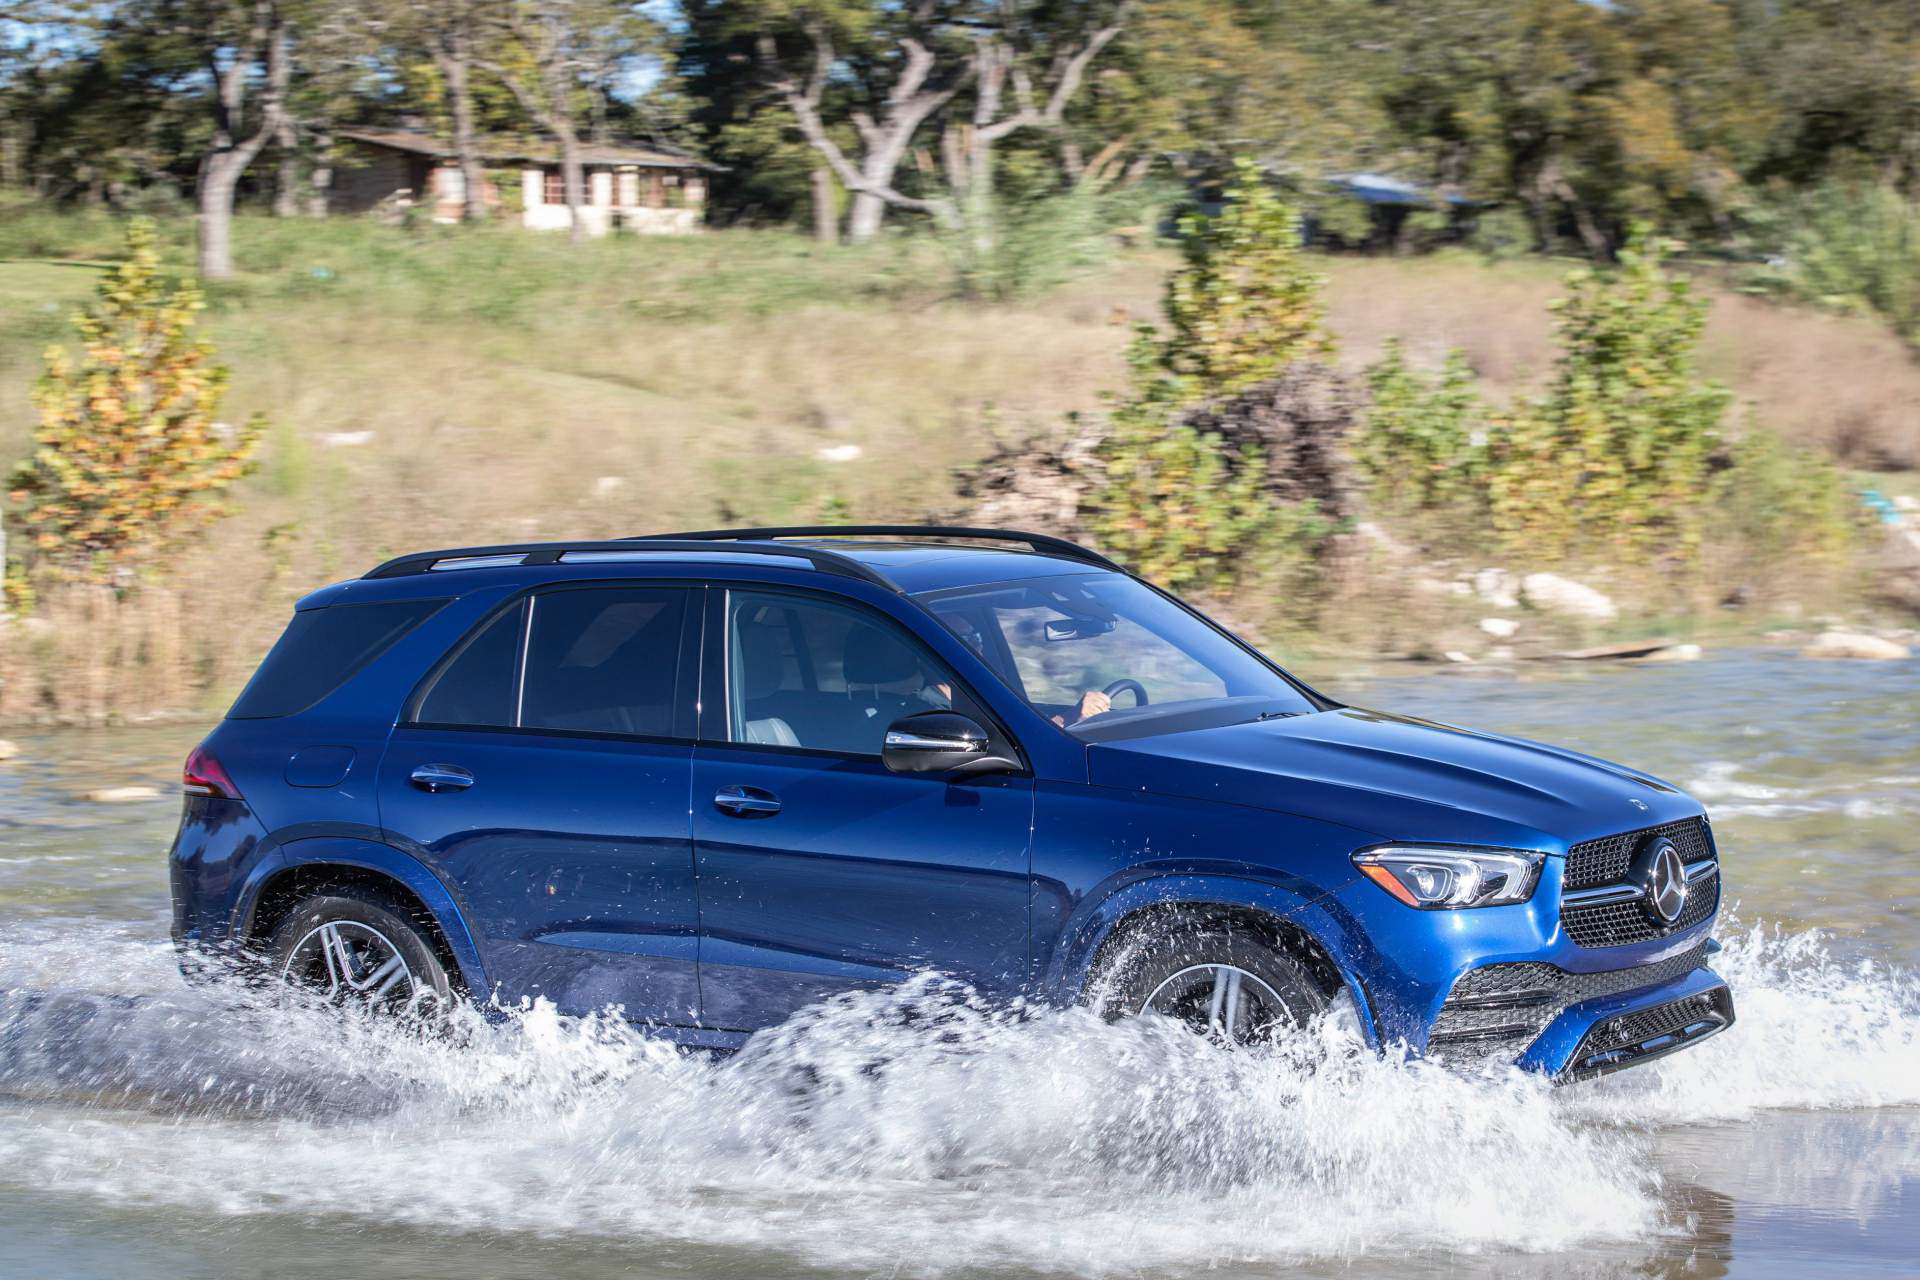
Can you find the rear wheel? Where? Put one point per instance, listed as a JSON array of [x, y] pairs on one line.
[[362, 951], [1223, 983]]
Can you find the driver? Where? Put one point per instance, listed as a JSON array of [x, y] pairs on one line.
[[1094, 702]]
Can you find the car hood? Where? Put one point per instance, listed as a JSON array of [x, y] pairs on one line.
[[1397, 778]]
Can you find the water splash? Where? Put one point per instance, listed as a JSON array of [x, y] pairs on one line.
[[910, 1130]]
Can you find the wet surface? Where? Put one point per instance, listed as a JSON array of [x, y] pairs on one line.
[[150, 1128]]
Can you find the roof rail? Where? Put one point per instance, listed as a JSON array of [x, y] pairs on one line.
[[536, 553], [1037, 541]]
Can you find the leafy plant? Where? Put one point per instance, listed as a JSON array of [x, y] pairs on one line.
[[1174, 503], [1244, 305], [1423, 443], [1614, 457], [129, 447]]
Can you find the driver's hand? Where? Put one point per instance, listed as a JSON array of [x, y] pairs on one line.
[[1093, 703]]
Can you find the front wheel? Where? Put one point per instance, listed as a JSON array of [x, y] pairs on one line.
[[360, 952], [1220, 982]]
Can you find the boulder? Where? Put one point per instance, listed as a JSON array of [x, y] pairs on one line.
[[1499, 628], [1856, 644], [8, 749], [1551, 593], [1497, 587], [1673, 653]]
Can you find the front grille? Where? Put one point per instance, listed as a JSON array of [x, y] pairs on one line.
[[1593, 864], [1504, 1006]]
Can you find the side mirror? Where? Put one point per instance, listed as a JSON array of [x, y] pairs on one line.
[[941, 742]]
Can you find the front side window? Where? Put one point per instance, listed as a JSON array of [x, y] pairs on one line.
[[807, 673], [1105, 655], [603, 660]]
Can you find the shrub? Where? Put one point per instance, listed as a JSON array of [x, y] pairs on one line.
[[1244, 305], [128, 449], [1613, 459], [1851, 248], [1423, 443], [1174, 503]]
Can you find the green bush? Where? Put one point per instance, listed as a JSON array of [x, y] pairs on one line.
[[1243, 306], [1423, 444], [1852, 248], [1612, 461]]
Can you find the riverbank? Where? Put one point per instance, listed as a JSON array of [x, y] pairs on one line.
[[447, 386]]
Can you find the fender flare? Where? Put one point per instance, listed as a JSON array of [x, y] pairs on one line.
[[381, 859], [1320, 916]]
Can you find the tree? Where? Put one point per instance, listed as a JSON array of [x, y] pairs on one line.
[[450, 32], [129, 445], [247, 47], [557, 58]]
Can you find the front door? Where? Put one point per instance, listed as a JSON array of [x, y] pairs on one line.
[[821, 871], [543, 773]]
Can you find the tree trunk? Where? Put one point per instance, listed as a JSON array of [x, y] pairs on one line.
[[320, 178], [473, 179], [863, 217], [573, 179], [217, 178], [826, 216], [286, 180]]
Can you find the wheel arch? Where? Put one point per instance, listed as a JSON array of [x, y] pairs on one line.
[[307, 867]]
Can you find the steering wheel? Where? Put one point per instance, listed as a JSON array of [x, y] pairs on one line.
[[1128, 685]]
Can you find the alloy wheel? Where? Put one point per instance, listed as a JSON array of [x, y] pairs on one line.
[[1222, 1002], [345, 962]]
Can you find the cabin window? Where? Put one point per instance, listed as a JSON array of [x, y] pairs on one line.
[[556, 187]]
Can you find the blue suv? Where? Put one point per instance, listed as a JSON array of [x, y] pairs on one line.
[[709, 778]]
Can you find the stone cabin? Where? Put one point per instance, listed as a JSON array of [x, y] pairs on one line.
[[650, 189]]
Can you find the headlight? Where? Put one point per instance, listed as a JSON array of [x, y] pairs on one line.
[[1433, 878]]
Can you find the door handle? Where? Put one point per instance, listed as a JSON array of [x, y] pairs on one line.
[[746, 802], [441, 777]]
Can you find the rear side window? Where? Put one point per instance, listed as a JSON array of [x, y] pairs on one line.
[[321, 650], [598, 660], [603, 661], [481, 685]]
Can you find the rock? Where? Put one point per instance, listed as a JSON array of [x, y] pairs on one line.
[[8, 749], [1497, 587], [123, 795], [1636, 649], [1855, 644], [607, 486], [1499, 628], [1454, 655], [1673, 653], [345, 439], [838, 453], [1551, 593]]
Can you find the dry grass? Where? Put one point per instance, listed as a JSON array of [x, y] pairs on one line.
[[503, 387], [1844, 383]]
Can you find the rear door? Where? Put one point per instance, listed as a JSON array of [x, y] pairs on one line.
[[821, 871], [542, 771]]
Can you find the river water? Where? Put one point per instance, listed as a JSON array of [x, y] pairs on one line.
[[155, 1130]]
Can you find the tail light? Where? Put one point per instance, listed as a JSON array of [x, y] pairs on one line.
[[206, 776]]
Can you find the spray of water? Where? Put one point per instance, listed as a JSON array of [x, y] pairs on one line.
[[908, 1130]]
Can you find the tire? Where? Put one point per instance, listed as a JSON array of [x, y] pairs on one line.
[[342, 946], [1222, 982]]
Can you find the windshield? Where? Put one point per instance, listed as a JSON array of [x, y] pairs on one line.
[[1106, 656]]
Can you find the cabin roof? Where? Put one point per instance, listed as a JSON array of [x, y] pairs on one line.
[[515, 151]]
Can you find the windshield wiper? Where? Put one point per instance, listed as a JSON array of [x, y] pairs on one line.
[[1274, 715]]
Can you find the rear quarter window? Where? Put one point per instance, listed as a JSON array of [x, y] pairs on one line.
[[321, 650]]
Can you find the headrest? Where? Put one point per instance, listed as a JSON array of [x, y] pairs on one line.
[[762, 661], [875, 657]]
